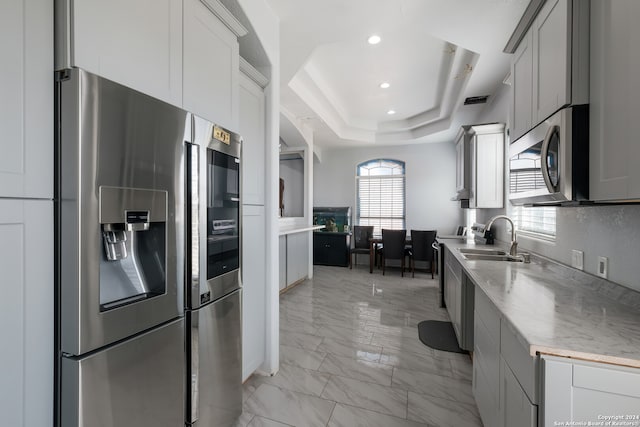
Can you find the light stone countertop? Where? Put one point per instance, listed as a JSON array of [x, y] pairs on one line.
[[560, 311], [291, 229]]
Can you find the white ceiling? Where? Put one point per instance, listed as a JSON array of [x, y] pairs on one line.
[[433, 53]]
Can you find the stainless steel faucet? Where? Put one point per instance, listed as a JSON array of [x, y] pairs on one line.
[[513, 249]]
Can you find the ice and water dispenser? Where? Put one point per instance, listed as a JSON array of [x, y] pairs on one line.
[[133, 228]]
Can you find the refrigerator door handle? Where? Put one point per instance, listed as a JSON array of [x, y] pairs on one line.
[[193, 225], [193, 360]]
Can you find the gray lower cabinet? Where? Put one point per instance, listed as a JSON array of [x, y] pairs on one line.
[[294, 258], [516, 408], [504, 373], [584, 392], [283, 262], [515, 352], [486, 360], [458, 295]]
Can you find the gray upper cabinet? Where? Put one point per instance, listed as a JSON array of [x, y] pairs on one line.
[[462, 162], [551, 59], [137, 43], [614, 109], [521, 88], [550, 68], [26, 101]]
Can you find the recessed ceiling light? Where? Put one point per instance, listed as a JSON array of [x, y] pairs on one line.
[[391, 112], [374, 39], [384, 85]]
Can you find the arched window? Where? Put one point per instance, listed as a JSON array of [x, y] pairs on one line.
[[380, 194]]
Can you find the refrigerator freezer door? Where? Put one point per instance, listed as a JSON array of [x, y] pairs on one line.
[[216, 363], [139, 382], [120, 175]]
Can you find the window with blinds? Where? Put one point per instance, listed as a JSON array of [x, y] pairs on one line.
[[381, 194], [538, 220]]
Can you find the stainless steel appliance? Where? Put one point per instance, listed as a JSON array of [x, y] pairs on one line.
[[438, 246], [120, 249], [213, 293], [550, 164]]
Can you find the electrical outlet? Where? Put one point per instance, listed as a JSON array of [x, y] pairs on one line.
[[603, 267], [577, 259]]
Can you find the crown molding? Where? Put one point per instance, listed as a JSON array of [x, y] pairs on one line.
[[255, 75], [226, 17]]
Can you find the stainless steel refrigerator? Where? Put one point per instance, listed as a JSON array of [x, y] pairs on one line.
[[213, 281], [120, 230]]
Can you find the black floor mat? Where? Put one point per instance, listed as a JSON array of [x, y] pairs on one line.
[[439, 335]]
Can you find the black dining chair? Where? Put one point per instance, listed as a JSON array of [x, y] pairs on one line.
[[393, 242], [421, 249], [362, 234]]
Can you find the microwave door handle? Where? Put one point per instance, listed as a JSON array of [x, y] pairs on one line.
[[543, 158]]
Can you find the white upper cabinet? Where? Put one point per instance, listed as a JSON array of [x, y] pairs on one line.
[[480, 165], [137, 43], [488, 167], [26, 99], [211, 56], [252, 129], [521, 88], [550, 68], [614, 107]]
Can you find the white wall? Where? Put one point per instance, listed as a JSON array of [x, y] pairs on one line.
[[292, 172], [611, 231], [430, 182]]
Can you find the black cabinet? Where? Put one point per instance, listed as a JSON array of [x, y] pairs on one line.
[[331, 248]]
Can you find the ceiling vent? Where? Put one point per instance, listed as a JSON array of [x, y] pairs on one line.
[[476, 100]]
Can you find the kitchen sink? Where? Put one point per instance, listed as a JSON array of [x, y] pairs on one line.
[[491, 257], [478, 251]]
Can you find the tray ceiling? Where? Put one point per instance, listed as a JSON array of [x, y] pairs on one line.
[[432, 53]]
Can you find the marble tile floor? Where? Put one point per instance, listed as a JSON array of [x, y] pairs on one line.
[[350, 356]]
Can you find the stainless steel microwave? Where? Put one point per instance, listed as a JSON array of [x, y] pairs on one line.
[[550, 163]]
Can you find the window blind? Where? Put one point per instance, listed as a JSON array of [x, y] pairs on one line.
[[539, 220], [381, 202]]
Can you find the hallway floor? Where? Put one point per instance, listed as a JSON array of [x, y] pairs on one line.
[[350, 356]]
